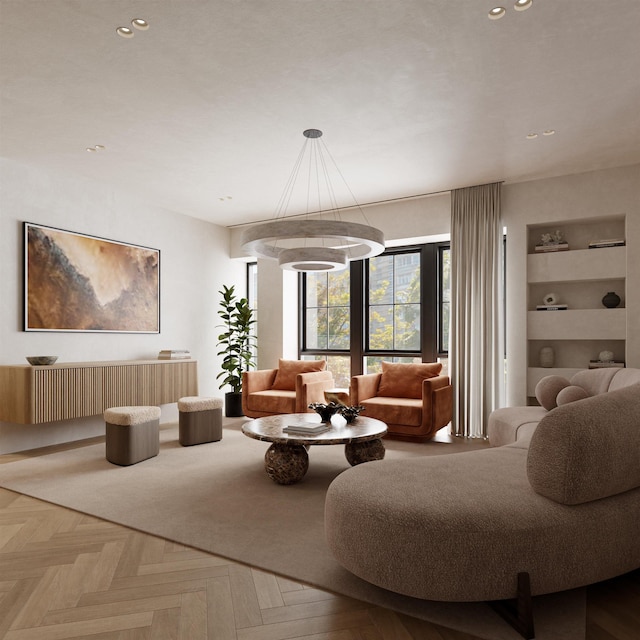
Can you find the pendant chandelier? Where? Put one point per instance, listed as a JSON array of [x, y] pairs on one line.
[[324, 243]]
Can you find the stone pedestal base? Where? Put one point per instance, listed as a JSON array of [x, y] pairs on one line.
[[359, 452], [285, 463]]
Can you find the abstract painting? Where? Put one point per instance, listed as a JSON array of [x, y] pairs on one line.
[[76, 282]]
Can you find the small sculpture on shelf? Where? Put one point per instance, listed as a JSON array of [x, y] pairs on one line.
[[552, 242], [611, 300]]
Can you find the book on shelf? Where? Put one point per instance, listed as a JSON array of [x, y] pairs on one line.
[[613, 242], [552, 307], [599, 364], [174, 354], [308, 429], [560, 246]]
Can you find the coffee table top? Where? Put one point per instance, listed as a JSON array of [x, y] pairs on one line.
[[270, 428]]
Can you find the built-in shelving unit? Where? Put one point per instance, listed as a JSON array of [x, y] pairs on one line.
[[579, 277], [36, 394]]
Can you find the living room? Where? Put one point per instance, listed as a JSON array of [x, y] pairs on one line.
[[200, 255]]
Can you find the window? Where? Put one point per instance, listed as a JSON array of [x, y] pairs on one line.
[[393, 307], [327, 321]]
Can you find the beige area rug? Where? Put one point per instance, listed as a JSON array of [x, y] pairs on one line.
[[218, 498]]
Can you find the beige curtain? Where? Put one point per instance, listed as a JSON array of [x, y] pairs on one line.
[[476, 360]]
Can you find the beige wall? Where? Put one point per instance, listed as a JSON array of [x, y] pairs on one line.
[[194, 264]]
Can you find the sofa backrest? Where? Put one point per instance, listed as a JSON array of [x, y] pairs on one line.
[[624, 378], [588, 450], [594, 381]]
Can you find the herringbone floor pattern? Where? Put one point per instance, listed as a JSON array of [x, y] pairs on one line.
[[67, 575]]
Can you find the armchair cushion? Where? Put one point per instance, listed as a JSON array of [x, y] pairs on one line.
[[402, 380], [405, 411], [272, 402], [289, 369]]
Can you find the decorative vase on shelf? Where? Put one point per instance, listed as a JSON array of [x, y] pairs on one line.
[[547, 357], [611, 300]]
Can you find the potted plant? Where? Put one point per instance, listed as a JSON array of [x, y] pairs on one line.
[[236, 344]]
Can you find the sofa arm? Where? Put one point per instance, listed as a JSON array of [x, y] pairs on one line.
[[310, 387], [364, 387], [437, 402], [259, 380]]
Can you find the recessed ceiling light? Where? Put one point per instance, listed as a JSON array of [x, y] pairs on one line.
[[532, 136], [522, 5], [91, 149], [140, 24], [100, 147], [125, 32], [548, 132], [496, 13]]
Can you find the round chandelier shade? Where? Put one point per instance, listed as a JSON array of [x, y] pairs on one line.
[[312, 244]]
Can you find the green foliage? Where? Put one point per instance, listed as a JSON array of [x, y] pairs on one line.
[[237, 340]]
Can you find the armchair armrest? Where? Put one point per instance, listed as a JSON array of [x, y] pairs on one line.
[[437, 402], [310, 387], [259, 380], [364, 387]]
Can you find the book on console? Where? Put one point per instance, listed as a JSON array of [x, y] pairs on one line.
[[174, 354]]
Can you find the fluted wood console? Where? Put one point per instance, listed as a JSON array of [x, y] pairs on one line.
[[31, 395]]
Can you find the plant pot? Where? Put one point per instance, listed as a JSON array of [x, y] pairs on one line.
[[233, 404]]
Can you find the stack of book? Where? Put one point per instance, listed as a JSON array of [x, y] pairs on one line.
[[174, 354], [558, 246], [614, 242], [600, 364], [551, 307], [307, 429]]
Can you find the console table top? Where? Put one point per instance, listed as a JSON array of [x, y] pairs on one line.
[[106, 363]]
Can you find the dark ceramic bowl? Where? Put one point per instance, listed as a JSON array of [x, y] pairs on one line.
[[351, 413], [41, 360]]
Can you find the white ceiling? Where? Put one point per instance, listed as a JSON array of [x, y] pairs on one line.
[[413, 96]]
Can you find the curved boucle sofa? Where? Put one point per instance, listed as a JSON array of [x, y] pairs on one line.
[[510, 424], [562, 505]]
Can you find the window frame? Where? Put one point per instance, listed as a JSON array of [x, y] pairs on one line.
[[431, 315]]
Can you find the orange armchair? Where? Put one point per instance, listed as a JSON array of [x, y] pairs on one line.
[[414, 400], [288, 389]]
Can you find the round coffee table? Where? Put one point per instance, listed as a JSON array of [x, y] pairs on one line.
[[286, 460]]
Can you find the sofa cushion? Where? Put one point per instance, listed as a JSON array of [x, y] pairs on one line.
[[404, 380], [289, 369], [624, 378], [572, 393], [588, 450], [547, 390], [510, 424]]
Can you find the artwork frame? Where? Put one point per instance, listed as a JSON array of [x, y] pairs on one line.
[[76, 282]]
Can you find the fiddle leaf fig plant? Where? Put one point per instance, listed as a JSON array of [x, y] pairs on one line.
[[237, 340]]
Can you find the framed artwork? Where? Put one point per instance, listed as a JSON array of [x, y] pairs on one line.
[[76, 282]]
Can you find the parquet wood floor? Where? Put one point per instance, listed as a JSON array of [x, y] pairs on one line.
[[67, 575]]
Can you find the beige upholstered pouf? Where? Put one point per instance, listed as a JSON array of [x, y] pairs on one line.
[[199, 420], [132, 434]]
